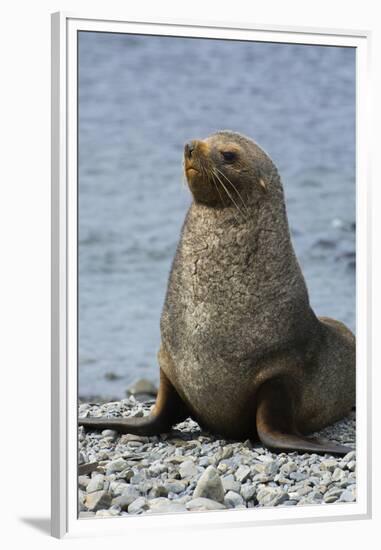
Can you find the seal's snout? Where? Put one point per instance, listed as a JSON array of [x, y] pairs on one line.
[[188, 149]]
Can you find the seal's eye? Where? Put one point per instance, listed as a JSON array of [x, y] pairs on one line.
[[229, 156]]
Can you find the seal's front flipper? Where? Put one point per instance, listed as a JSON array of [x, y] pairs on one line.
[[169, 409], [276, 427]]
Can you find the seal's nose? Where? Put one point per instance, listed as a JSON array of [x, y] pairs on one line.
[[188, 149]]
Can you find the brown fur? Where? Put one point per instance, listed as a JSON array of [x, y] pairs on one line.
[[242, 352]]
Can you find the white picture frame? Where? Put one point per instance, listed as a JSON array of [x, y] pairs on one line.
[[65, 27]]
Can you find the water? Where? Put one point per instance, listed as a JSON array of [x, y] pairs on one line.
[[140, 100]]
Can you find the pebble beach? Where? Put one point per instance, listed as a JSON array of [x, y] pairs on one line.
[[189, 469]]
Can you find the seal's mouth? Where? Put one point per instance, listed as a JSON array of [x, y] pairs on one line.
[[191, 170]]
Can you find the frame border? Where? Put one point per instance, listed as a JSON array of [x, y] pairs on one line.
[[63, 387]]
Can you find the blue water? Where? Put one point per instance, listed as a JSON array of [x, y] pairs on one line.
[[140, 100]]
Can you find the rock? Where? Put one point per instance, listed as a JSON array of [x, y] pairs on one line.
[[87, 468], [288, 468], [222, 468], [174, 486], [128, 438], [298, 476], [204, 461], [271, 496], [97, 500], [137, 505], [233, 500], [107, 513], [242, 473], [117, 465], [83, 482], [349, 457], [332, 495], [268, 468], [117, 487], [202, 503], [96, 483], [347, 496], [351, 466], [187, 469], [142, 386], [128, 496], [314, 497], [248, 491], [338, 475], [110, 433], [164, 505], [138, 478], [210, 485], [230, 484], [126, 474], [157, 468], [328, 465], [158, 491]]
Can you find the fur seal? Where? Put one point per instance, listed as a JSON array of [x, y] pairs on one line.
[[242, 352]]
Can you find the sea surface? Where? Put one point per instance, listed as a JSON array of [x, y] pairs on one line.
[[140, 100]]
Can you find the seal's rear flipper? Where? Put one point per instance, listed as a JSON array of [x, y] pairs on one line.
[[169, 409], [276, 427], [146, 425]]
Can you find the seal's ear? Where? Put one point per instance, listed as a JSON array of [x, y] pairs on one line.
[[263, 185]]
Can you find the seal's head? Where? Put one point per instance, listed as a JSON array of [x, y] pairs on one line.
[[226, 169]]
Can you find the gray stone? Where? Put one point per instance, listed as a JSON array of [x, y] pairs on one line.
[[210, 485], [242, 473], [233, 500], [164, 505], [332, 495], [174, 486], [117, 487], [157, 468], [97, 501], [202, 503], [222, 468], [248, 491], [128, 438], [349, 457], [271, 496], [347, 496], [137, 505], [288, 468], [158, 491], [338, 475], [298, 476], [117, 465], [314, 497], [83, 482], [107, 513], [328, 465], [112, 434], [187, 469], [127, 497], [96, 483], [230, 484]]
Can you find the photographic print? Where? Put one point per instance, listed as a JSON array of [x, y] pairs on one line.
[[216, 274]]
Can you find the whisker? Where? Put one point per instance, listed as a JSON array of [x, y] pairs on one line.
[[218, 189], [229, 195], [235, 189]]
